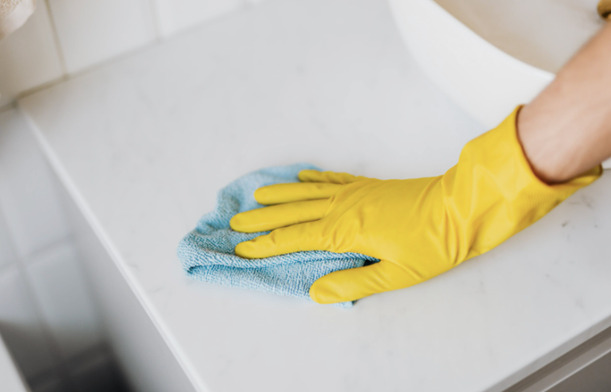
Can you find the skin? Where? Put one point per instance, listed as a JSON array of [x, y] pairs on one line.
[[566, 129]]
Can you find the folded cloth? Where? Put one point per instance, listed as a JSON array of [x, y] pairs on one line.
[[207, 252]]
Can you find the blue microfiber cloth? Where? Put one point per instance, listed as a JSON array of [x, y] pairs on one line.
[[207, 252]]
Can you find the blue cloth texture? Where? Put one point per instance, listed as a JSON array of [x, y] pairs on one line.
[[207, 252]]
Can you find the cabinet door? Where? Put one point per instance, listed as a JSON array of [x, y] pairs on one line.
[[585, 368]]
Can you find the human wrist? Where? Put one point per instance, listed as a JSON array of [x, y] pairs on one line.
[[543, 150], [566, 130], [562, 144]]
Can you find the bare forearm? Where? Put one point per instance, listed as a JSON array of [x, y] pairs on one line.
[[566, 129]]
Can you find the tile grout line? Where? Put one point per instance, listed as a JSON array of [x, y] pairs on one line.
[[19, 265], [61, 368], [58, 48], [9, 105], [84, 357], [158, 39], [54, 347], [66, 199], [62, 64], [31, 257], [156, 19], [8, 267], [14, 259]]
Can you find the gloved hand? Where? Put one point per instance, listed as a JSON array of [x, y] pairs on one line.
[[418, 228]]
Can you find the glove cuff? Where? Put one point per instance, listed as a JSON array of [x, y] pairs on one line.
[[494, 191], [508, 130], [499, 155]]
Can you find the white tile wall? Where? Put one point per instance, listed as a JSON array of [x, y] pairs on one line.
[[28, 57], [7, 254], [12, 379], [91, 31], [47, 317], [68, 36], [20, 326], [65, 302], [50, 384], [28, 194], [97, 373], [176, 15]]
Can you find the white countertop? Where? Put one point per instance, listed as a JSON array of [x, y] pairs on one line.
[[144, 143]]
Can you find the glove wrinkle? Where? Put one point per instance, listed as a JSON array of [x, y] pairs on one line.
[[421, 227]]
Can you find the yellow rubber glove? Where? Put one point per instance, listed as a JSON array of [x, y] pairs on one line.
[[418, 228]]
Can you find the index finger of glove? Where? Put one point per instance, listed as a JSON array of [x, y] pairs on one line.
[[295, 238], [281, 215], [309, 175], [297, 191]]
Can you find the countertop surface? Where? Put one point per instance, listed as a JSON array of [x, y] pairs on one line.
[[144, 142]]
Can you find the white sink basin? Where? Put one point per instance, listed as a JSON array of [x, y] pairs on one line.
[[541, 33], [489, 56]]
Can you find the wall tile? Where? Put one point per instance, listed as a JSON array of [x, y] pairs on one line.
[[12, 379], [65, 302], [28, 194], [97, 373], [52, 383], [7, 254], [91, 31], [21, 327], [175, 15], [28, 57]]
